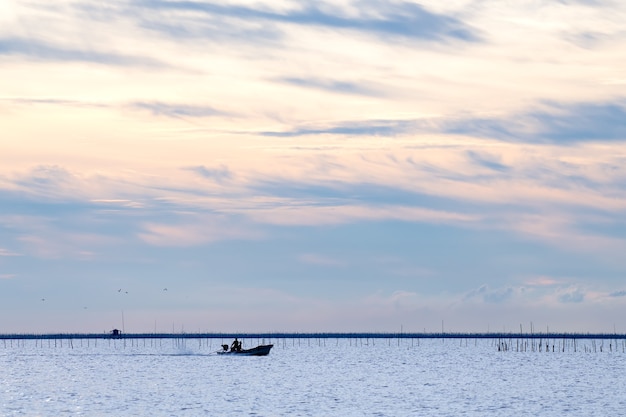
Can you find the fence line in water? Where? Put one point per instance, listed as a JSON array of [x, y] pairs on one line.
[[517, 342], [318, 335], [613, 344]]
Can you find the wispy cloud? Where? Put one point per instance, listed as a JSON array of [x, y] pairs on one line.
[[205, 229], [387, 128], [580, 122], [7, 276], [177, 110], [536, 294], [488, 161], [555, 123], [48, 180], [52, 101], [44, 51], [217, 174], [333, 86], [543, 281], [403, 19], [311, 215], [488, 295], [572, 295]]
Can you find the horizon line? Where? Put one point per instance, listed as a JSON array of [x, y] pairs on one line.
[[314, 335]]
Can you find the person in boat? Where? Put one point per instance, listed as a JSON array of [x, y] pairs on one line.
[[235, 346]]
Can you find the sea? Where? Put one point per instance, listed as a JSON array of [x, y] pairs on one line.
[[313, 377]]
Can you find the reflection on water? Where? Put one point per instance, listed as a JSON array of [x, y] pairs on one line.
[[322, 377]]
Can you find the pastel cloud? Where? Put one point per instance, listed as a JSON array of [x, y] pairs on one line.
[[173, 110], [561, 123], [572, 295], [203, 230], [7, 276], [447, 157], [400, 19], [7, 252], [44, 51]]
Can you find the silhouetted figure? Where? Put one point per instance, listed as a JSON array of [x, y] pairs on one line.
[[235, 346]]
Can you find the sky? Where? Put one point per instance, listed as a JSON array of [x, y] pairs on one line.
[[304, 166]]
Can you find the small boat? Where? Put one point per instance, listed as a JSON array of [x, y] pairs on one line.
[[261, 350]]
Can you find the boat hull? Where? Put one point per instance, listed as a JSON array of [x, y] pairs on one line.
[[261, 350]]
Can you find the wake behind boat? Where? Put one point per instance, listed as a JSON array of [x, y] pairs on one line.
[[261, 350]]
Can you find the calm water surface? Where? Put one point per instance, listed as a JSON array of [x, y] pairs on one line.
[[326, 377]]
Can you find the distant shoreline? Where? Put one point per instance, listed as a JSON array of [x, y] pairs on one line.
[[322, 335]]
